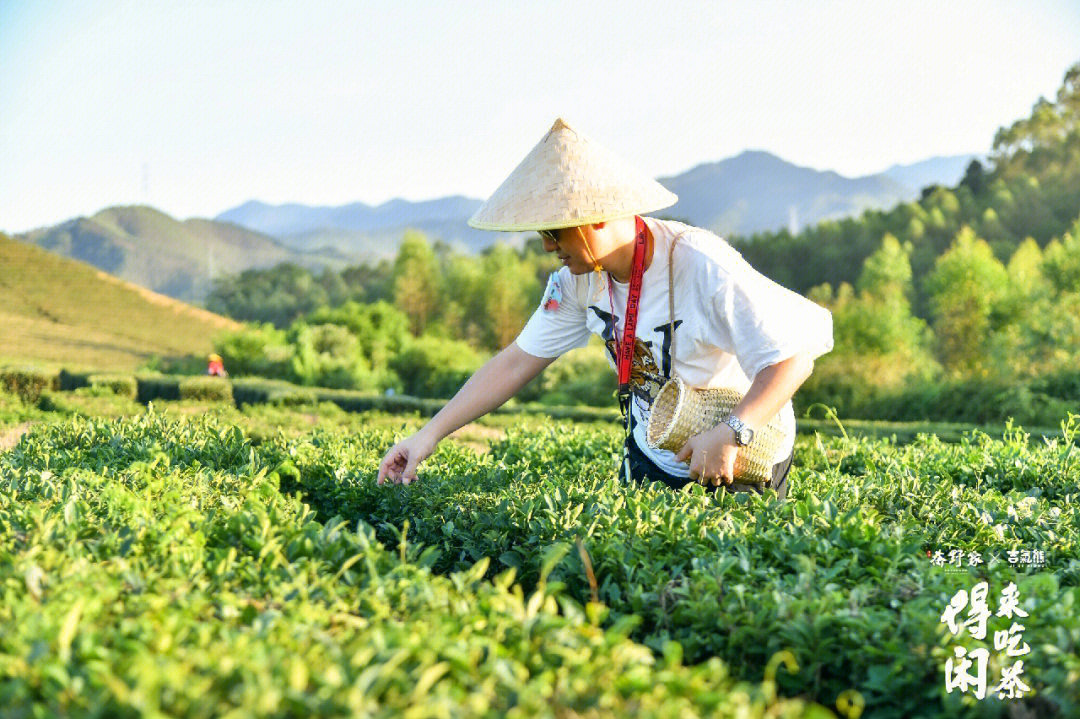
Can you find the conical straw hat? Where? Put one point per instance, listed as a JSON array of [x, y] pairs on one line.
[[568, 180]]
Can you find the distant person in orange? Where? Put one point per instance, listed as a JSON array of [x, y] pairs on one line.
[[215, 367]]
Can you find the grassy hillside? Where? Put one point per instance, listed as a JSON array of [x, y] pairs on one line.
[[57, 311], [148, 247]]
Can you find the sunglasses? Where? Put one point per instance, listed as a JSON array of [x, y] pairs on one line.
[[549, 235]]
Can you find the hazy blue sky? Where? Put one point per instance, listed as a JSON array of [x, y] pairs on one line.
[[194, 107]]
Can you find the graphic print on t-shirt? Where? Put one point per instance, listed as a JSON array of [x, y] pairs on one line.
[[734, 322], [646, 378]]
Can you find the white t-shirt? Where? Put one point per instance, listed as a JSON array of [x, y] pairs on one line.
[[730, 323]]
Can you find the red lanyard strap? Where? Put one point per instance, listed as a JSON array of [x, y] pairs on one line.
[[624, 349]]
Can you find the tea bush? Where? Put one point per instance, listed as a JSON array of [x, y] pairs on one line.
[[838, 574], [153, 567], [212, 389], [151, 387], [122, 385], [1039, 400], [69, 380], [88, 402], [28, 383]]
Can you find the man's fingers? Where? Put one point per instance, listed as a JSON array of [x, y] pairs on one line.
[[695, 468], [684, 453], [383, 469], [728, 471], [389, 468], [409, 474]]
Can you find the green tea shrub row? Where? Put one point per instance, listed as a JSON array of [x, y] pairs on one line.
[[69, 380], [247, 391], [252, 390], [1040, 401], [908, 432], [838, 574], [28, 383], [14, 411], [153, 567], [351, 401], [209, 389], [152, 387], [952, 408], [122, 385], [86, 402]]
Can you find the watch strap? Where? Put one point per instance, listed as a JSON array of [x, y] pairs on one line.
[[738, 425]]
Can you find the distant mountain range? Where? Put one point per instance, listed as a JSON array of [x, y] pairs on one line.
[[757, 191], [946, 171], [176, 258], [752, 192], [367, 231]]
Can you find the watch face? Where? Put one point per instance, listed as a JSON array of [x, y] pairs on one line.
[[745, 436]]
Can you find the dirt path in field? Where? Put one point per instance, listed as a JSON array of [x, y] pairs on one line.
[[10, 437], [476, 436]]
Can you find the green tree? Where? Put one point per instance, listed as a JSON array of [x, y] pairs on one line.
[[880, 346], [380, 328], [1061, 261], [369, 282], [511, 293], [278, 295], [975, 177], [416, 281], [1026, 278], [328, 356], [462, 313], [886, 274], [964, 289]]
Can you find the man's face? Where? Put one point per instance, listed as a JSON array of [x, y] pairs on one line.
[[568, 244]]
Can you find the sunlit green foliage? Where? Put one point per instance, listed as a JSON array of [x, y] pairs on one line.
[[202, 565]]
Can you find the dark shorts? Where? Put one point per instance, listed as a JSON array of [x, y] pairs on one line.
[[642, 469]]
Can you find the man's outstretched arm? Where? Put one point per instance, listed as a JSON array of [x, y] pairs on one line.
[[490, 386]]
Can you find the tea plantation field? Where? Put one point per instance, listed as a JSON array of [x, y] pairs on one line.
[[200, 560]]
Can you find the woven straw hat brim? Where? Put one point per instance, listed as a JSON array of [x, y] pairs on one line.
[[565, 181]]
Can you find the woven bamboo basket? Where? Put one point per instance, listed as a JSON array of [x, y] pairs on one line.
[[679, 412]]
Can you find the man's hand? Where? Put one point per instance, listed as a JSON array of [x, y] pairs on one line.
[[711, 455], [400, 463]]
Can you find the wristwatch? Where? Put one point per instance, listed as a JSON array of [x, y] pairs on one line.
[[743, 434]]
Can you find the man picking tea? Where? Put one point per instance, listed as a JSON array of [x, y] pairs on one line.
[[708, 351]]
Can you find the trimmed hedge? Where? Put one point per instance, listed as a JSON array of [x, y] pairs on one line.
[[1038, 401], [351, 401], [151, 387], [73, 380], [122, 385], [27, 383], [213, 389], [263, 391]]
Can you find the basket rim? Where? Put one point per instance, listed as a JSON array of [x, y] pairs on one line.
[[676, 412]]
